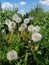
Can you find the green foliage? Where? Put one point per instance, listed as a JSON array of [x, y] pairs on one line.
[[28, 54]]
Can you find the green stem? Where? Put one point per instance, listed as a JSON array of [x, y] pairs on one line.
[[34, 55], [10, 37]]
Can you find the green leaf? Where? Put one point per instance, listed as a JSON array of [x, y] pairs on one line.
[[17, 48]]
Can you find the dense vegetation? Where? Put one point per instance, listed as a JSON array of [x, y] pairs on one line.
[[28, 51]]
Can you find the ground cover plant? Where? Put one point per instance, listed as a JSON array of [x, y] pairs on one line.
[[24, 40]]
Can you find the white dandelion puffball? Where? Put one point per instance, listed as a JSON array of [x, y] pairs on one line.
[[23, 25], [30, 18], [21, 29], [31, 28], [36, 37], [12, 26], [37, 28], [7, 22], [12, 55], [16, 18], [26, 20]]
